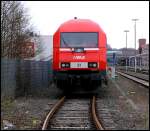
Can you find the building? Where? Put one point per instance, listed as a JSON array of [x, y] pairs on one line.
[[142, 44], [128, 52], [27, 50], [145, 49], [46, 43]]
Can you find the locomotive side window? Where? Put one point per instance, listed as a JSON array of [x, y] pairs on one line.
[[79, 39]]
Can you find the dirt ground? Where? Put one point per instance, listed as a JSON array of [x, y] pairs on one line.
[[127, 102], [27, 112]]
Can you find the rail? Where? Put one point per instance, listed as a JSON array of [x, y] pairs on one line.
[[60, 102], [95, 119], [52, 111], [138, 80]]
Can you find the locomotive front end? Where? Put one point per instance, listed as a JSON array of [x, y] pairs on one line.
[[78, 58]]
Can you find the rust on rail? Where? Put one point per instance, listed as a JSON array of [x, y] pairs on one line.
[[51, 113], [96, 121]]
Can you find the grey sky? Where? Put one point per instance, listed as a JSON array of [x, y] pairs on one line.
[[113, 16]]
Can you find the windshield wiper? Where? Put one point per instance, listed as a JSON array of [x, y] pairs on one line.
[[65, 43]]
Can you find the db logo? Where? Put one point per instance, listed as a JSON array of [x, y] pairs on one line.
[[79, 57]]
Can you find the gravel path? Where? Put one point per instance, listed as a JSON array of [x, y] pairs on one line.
[[128, 103]]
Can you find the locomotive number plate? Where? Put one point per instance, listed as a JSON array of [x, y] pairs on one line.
[[79, 65]]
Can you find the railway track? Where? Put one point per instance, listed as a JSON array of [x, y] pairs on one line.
[[134, 78], [77, 114], [137, 75], [143, 71]]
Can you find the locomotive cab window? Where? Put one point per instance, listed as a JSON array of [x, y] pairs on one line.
[[79, 39]]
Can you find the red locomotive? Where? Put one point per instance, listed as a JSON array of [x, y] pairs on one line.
[[79, 54]]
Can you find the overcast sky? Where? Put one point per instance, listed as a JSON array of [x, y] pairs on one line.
[[113, 16]]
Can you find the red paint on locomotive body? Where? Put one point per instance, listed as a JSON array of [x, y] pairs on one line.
[[66, 54]]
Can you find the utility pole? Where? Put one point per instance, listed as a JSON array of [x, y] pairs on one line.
[[126, 31], [135, 39]]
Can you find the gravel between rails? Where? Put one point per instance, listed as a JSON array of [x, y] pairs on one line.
[[74, 114]]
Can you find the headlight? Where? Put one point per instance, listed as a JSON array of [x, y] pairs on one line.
[[65, 65], [92, 64]]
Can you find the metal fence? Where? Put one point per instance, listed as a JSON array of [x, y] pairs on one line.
[[142, 61], [8, 77], [25, 77], [139, 63]]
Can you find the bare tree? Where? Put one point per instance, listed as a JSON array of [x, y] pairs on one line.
[[40, 48], [14, 28]]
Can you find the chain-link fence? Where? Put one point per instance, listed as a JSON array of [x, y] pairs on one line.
[[25, 77]]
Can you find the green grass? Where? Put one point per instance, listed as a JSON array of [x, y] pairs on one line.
[[146, 116], [7, 103]]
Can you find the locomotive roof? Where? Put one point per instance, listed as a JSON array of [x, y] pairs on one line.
[[80, 25]]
